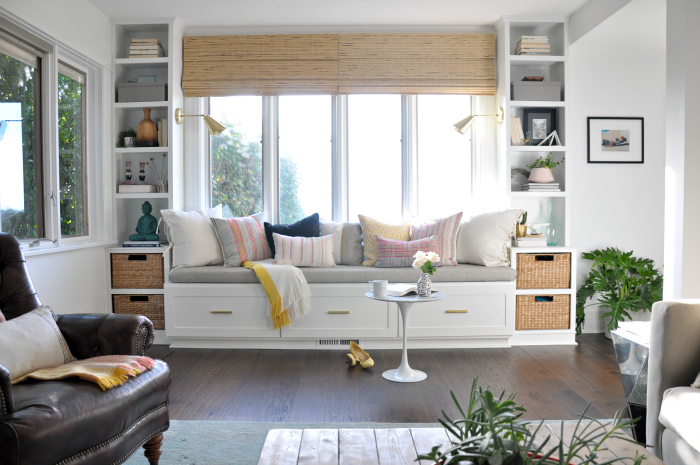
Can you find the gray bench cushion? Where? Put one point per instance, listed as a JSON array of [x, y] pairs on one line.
[[348, 274]]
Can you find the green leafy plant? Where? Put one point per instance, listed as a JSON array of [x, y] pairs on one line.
[[491, 432], [424, 261], [545, 162], [523, 219], [128, 133], [623, 284]]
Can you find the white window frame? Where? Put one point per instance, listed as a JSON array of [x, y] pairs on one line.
[[198, 142], [97, 117]]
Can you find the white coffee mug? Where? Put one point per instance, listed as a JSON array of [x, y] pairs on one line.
[[378, 287]]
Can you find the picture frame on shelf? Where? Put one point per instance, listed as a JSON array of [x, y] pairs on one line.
[[540, 122], [615, 139]]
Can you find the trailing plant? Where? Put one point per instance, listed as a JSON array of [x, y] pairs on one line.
[[491, 432], [128, 133], [623, 284], [545, 162]]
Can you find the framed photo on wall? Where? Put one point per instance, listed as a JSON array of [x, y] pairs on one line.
[[614, 139], [540, 122]]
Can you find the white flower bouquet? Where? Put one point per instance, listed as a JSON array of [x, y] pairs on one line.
[[424, 261]]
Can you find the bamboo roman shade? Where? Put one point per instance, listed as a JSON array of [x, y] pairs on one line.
[[339, 63]]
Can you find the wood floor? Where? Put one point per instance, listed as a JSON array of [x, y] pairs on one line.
[[554, 382]]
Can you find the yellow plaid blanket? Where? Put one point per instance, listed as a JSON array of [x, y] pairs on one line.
[[107, 371]]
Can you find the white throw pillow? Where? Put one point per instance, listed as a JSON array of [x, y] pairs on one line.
[[304, 251], [31, 342], [193, 238], [484, 239], [335, 230]]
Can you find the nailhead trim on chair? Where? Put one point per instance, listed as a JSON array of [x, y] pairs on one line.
[[148, 438], [136, 339], [2, 399], [63, 462]]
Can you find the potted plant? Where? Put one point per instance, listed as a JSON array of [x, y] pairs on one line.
[[426, 263], [542, 169], [490, 432], [128, 133], [520, 228], [622, 283]]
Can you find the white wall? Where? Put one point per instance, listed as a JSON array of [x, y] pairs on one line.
[[70, 281], [76, 23], [619, 69]]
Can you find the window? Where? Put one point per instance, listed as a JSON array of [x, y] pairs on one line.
[[236, 155], [444, 155], [72, 171], [305, 175], [374, 156], [21, 178]]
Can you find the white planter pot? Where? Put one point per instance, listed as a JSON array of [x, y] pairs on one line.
[[543, 175]]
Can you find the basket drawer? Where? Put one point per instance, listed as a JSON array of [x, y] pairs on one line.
[[151, 306], [533, 314], [543, 271], [137, 271]]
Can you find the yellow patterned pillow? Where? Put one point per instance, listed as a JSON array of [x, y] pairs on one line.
[[372, 228]]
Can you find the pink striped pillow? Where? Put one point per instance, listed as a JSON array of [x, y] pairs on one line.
[[304, 251], [445, 230], [399, 254]]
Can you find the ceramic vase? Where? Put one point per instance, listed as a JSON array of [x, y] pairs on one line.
[[543, 175], [424, 285], [146, 131]]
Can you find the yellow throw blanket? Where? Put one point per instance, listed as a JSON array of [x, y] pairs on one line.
[[286, 289], [107, 371]]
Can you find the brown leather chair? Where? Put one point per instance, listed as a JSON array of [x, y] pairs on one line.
[[73, 421]]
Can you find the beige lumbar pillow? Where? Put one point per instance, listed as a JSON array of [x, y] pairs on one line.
[[31, 342]]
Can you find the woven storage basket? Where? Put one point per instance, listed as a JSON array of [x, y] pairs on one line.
[[531, 314], [137, 271], [150, 306], [543, 271]]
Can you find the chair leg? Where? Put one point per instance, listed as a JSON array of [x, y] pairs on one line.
[[153, 449]]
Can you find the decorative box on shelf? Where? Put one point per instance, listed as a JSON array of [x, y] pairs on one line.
[[539, 91], [142, 92], [137, 270], [151, 306]]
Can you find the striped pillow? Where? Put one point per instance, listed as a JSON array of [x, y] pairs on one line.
[[241, 239], [397, 254], [445, 230], [304, 251]]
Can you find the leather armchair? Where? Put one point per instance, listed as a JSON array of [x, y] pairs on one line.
[[73, 421]]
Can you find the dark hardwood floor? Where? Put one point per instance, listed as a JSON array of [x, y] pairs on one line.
[[554, 382]]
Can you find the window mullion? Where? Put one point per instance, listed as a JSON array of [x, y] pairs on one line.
[[49, 121], [270, 159], [409, 156], [339, 143]]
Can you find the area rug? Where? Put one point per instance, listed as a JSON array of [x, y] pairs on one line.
[[232, 442]]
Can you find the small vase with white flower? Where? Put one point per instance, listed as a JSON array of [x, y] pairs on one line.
[[426, 263]]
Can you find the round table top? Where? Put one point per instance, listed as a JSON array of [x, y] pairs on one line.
[[435, 296]]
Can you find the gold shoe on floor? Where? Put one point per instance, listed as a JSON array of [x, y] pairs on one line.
[[351, 360], [361, 356]]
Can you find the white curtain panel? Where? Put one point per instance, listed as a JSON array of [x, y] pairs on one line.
[[488, 193]]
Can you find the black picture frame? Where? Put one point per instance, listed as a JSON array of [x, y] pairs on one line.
[[530, 114], [631, 123]]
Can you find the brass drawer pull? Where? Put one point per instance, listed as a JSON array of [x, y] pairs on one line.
[[456, 311], [338, 312], [222, 311]]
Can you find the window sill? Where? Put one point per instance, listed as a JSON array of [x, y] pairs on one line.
[[34, 251]]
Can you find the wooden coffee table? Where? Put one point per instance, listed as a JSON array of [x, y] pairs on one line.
[[392, 446]]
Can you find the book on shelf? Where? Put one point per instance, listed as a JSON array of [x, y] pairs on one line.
[[541, 186], [533, 49], [519, 128], [514, 139], [144, 244], [164, 133], [521, 53], [136, 189], [400, 290], [539, 243]]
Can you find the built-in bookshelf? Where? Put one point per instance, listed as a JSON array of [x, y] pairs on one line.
[[127, 207]]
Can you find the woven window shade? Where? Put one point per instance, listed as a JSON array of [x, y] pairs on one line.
[[260, 65], [345, 63], [417, 64]]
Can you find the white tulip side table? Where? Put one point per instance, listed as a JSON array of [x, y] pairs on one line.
[[404, 373]]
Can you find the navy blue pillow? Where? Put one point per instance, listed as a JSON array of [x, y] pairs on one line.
[[305, 227]]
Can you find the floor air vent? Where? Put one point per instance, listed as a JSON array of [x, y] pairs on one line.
[[335, 343]]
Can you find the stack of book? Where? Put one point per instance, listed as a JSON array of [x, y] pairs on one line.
[[144, 244], [541, 187], [528, 241], [146, 48], [533, 45]]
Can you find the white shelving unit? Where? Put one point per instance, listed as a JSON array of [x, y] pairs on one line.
[[127, 207], [512, 68]]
